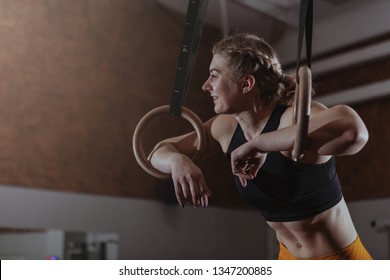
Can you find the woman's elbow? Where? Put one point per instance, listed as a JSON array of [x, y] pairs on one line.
[[356, 139], [357, 134], [362, 137]]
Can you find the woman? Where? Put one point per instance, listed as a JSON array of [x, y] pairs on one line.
[[302, 201]]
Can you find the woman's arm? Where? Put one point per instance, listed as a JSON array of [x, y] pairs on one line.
[[174, 156], [335, 131]]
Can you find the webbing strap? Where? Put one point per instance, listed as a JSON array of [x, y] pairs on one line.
[[305, 28], [196, 13]]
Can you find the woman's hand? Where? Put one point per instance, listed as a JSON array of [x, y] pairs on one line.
[[246, 161], [189, 183]]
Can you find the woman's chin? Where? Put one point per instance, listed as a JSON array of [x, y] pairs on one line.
[[218, 110]]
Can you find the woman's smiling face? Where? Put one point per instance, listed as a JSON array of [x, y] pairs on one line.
[[222, 89]]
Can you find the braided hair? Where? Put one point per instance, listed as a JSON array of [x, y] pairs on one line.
[[248, 54]]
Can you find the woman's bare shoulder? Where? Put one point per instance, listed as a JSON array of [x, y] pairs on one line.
[[221, 128]]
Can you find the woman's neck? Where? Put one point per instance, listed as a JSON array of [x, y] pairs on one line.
[[253, 121]]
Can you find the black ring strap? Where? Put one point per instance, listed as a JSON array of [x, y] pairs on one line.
[[305, 28], [196, 13]]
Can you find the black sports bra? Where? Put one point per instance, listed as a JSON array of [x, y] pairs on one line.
[[285, 190]]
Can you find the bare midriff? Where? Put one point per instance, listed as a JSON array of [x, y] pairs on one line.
[[319, 235]]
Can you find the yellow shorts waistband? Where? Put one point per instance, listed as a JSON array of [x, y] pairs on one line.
[[354, 251]]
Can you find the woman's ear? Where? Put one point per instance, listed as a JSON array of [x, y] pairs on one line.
[[248, 83]]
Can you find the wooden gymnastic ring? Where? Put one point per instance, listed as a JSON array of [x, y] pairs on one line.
[[139, 152], [302, 104]]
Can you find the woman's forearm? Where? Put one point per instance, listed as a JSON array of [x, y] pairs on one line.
[[188, 180], [163, 155], [335, 131]]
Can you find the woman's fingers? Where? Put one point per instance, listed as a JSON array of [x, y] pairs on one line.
[[242, 181], [204, 200], [205, 193], [192, 192], [179, 194], [195, 193], [186, 192], [247, 170], [243, 167], [200, 193]]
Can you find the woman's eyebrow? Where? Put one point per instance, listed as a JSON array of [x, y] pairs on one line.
[[214, 70]]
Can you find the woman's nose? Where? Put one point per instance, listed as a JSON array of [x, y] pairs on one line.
[[206, 86]]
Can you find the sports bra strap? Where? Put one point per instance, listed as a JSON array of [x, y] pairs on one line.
[[274, 119]]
